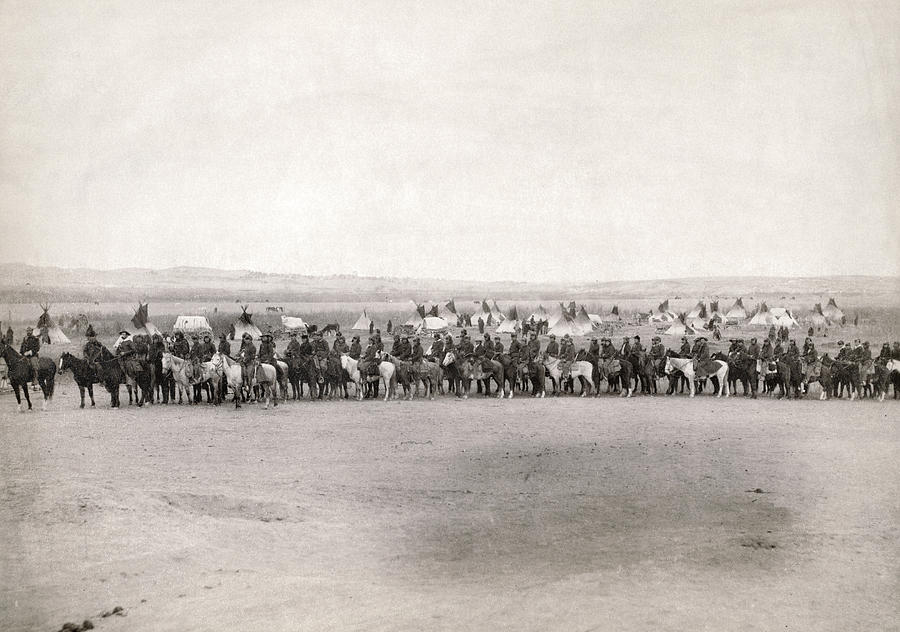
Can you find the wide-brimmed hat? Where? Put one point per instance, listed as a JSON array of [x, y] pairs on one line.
[[207, 335], [124, 332], [195, 337]]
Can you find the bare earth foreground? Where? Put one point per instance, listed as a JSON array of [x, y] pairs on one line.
[[561, 514]]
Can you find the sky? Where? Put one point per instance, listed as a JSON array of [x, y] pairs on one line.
[[546, 141]]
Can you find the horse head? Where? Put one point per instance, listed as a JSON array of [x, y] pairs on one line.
[[449, 359]]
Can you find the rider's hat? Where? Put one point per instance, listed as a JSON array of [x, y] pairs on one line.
[[553, 335], [194, 337], [207, 335], [125, 332], [90, 333], [840, 343], [246, 336], [306, 335], [637, 337]]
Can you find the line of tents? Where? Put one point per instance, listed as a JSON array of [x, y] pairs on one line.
[[700, 318]]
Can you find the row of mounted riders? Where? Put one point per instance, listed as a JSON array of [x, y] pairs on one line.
[[328, 376]]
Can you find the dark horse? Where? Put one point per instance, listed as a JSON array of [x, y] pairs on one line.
[[21, 371], [82, 371], [109, 371]]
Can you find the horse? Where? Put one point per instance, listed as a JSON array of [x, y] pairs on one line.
[[351, 366], [686, 366], [615, 371], [334, 382], [790, 377], [263, 374], [137, 380], [432, 376], [83, 372], [182, 372], [644, 372], [21, 371], [109, 371], [485, 369], [458, 373], [741, 368], [581, 369], [407, 374], [232, 375], [845, 374], [893, 370]]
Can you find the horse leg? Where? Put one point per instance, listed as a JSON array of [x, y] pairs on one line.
[[81, 392], [90, 390]]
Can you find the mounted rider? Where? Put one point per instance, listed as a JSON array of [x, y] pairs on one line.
[[488, 347], [247, 356], [625, 349], [355, 348], [552, 350], [515, 348], [532, 347], [293, 347], [368, 365], [340, 344], [436, 353], [92, 349], [416, 354], [567, 355], [700, 354], [466, 348], [31, 347], [181, 348], [637, 348], [658, 354], [224, 347], [498, 346], [685, 351], [268, 355]]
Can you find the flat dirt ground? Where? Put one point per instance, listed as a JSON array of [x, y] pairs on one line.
[[558, 514]]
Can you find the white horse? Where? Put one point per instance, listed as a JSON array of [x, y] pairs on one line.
[[234, 376], [686, 366], [263, 374], [180, 373], [580, 369], [351, 366], [890, 367], [388, 374]]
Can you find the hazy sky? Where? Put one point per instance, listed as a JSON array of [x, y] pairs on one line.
[[482, 140]]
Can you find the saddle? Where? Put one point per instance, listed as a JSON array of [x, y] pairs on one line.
[[611, 366]]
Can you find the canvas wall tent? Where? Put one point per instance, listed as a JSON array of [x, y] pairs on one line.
[[190, 325], [141, 322], [362, 323], [564, 325], [48, 330], [832, 312], [293, 323], [583, 321], [511, 323], [433, 323], [737, 312], [244, 325]]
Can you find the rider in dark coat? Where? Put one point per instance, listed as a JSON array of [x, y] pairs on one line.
[[416, 353], [355, 348], [293, 347], [207, 348], [625, 349], [181, 348], [268, 354], [685, 351], [753, 349], [498, 346], [637, 347], [533, 348], [224, 346], [594, 348], [515, 348], [340, 344], [31, 347], [92, 348], [553, 347]]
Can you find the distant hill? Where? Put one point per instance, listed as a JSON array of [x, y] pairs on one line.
[[20, 283]]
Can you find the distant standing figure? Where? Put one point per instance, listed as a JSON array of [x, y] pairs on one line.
[[390, 326], [480, 325], [371, 327]]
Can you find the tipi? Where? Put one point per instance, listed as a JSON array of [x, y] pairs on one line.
[[50, 332], [832, 312], [816, 318], [583, 321], [614, 313], [447, 311], [432, 323], [293, 323], [496, 313], [511, 323], [680, 327], [783, 317], [699, 311], [762, 318], [244, 325], [416, 319], [141, 322], [362, 323], [539, 314], [664, 315], [737, 312], [565, 324]]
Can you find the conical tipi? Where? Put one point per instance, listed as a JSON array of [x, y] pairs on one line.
[[49, 331]]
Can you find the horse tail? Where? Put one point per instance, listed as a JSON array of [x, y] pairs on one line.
[[51, 385]]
